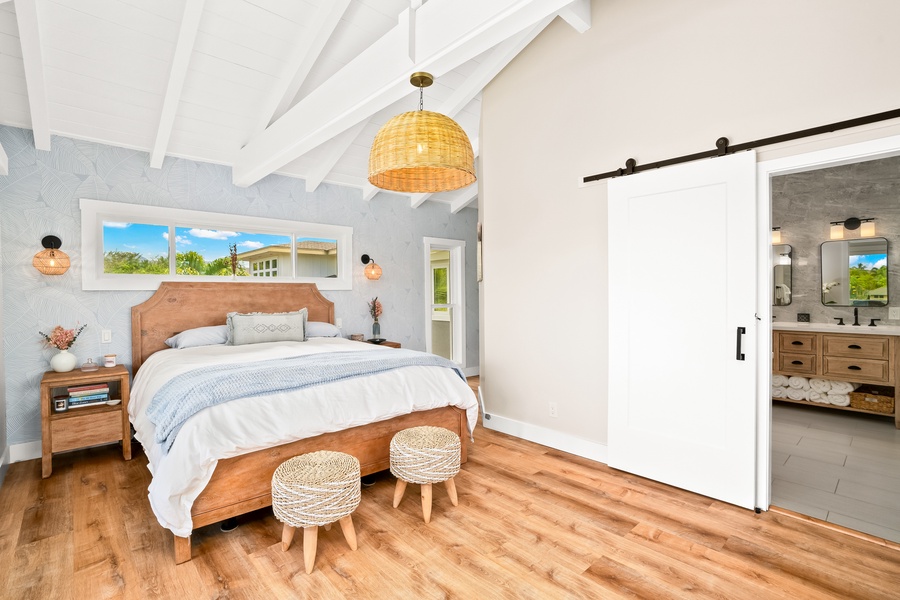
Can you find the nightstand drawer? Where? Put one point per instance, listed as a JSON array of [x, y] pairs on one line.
[[856, 369], [79, 431], [798, 364], [862, 346]]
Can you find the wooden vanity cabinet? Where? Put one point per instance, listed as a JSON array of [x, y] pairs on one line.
[[856, 358]]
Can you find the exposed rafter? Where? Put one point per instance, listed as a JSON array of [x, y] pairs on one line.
[[578, 15], [4, 162], [187, 35], [462, 198], [298, 66], [448, 33], [32, 57], [330, 155], [369, 191]]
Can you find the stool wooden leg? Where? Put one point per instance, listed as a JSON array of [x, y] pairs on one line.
[[451, 491], [398, 492], [328, 527], [287, 536], [349, 531], [310, 540], [426, 501]]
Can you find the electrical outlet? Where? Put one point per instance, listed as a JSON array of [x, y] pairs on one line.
[[106, 336], [338, 322], [554, 412], [894, 313]]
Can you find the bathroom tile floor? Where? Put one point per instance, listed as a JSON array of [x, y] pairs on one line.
[[841, 467]]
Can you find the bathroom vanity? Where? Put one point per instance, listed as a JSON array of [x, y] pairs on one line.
[[864, 355]]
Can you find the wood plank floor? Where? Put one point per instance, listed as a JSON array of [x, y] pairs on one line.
[[840, 467], [531, 523]]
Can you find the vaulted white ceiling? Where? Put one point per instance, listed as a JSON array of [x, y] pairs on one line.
[[297, 87]]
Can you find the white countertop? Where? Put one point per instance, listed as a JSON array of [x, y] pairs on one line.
[[835, 328]]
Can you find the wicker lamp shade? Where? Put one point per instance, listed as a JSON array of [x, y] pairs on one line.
[[421, 152], [51, 260]]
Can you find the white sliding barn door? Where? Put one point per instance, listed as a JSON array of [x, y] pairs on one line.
[[682, 281]]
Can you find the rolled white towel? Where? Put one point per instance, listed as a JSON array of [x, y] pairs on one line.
[[798, 383], [839, 399], [841, 387], [779, 381], [821, 386], [779, 391], [815, 396], [795, 394]]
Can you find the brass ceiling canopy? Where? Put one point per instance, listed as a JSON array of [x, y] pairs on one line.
[[421, 151]]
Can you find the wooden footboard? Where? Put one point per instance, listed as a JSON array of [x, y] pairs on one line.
[[243, 484]]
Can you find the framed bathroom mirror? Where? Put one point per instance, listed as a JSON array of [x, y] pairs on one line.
[[781, 268], [855, 272]]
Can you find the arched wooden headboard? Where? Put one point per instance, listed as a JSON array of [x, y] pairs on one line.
[[177, 306]]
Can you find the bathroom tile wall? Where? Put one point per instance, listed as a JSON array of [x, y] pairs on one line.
[[804, 204], [40, 197]]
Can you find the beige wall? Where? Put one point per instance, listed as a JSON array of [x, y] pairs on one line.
[[649, 80]]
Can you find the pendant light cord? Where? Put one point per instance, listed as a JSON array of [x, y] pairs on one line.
[[421, 103]]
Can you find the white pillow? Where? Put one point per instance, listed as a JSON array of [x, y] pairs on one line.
[[199, 336], [321, 329], [256, 328]]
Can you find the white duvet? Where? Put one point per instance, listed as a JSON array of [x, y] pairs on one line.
[[249, 424]]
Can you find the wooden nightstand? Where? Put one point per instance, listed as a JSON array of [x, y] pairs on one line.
[[385, 343], [86, 426]]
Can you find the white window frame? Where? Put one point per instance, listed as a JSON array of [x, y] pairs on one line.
[[456, 301], [95, 212]]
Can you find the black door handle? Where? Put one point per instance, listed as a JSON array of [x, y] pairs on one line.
[[738, 354]]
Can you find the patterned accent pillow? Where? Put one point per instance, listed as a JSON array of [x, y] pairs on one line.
[[255, 328]]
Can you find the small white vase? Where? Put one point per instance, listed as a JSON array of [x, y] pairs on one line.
[[63, 362]]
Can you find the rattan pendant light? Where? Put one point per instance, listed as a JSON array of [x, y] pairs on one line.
[[421, 151]]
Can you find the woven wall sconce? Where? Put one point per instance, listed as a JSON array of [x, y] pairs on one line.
[[421, 151], [372, 270], [51, 260]]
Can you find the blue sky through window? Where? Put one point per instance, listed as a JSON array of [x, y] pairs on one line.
[[869, 261]]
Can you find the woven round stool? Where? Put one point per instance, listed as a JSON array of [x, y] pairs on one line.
[[315, 489], [425, 455]]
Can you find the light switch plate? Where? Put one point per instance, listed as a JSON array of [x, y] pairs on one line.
[[338, 321], [106, 336], [894, 313]]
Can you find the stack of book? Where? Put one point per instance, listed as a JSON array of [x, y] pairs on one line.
[[88, 395]]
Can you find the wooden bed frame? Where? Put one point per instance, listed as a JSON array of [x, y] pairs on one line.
[[243, 483]]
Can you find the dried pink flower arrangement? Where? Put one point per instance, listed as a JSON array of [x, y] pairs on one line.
[[62, 339]]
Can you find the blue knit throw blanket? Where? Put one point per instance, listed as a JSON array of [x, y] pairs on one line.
[[186, 394]]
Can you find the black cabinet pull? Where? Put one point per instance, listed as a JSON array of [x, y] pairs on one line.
[[796, 362], [795, 343], [738, 354], [854, 347], [854, 368]]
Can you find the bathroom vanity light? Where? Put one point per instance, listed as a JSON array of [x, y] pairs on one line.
[[776, 235], [372, 270], [852, 224]]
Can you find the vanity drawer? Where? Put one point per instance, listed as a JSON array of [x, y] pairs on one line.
[[799, 364], [862, 346], [797, 342], [856, 369]]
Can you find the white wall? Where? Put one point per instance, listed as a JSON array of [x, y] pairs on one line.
[[4, 445], [649, 80]]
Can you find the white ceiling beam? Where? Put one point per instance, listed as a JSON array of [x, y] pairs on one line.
[[462, 198], [416, 200], [184, 47], [330, 154], [448, 34], [300, 63], [369, 191], [32, 57], [4, 162], [578, 15]]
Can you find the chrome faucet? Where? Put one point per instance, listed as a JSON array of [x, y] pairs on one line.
[[855, 316]]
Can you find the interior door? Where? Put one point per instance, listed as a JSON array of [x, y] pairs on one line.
[[682, 326]]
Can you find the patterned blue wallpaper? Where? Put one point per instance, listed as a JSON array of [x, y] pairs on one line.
[[40, 197]]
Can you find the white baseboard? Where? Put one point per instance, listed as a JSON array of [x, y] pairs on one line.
[[546, 437], [471, 371], [4, 464], [26, 451]]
